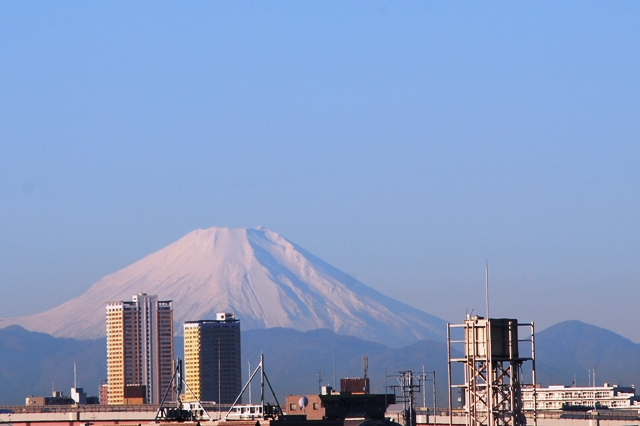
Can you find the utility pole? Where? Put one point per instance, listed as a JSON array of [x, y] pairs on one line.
[[434, 395], [219, 382], [424, 390], [423, 380], [407, 387]]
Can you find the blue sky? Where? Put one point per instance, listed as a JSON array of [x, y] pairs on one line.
[[403, 142]]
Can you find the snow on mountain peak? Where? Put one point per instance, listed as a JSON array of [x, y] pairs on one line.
[[265, 279]]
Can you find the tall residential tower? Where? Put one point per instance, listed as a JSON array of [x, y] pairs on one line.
[[139, 350], [212, 359]]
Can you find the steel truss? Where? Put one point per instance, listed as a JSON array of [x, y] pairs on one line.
[[493, 377]]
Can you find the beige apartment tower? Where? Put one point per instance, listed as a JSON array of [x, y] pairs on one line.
[[139, 350], [212, 359]]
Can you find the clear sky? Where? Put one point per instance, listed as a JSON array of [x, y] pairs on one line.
[[403, 142]]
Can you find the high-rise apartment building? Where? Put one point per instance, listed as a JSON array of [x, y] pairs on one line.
[[139, 350], [212, 359]]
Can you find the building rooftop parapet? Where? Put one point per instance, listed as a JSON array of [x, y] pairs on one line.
[[220, 318]]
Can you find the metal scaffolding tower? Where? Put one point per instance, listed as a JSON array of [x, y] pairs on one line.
[[493, 370]]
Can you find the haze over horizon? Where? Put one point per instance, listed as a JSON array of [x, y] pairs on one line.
[[404, 143]]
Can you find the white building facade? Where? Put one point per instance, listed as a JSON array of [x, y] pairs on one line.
[[557, 397]]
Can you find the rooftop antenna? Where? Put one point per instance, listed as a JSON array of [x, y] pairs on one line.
[[320, 379], [75, 381], [334, 369], [486, 270], [365, 365]]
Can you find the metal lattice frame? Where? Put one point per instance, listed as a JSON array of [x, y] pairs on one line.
[[492, 371]]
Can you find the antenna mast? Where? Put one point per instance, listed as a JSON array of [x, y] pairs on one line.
[[365, 365], [334, 369], [486, 270]]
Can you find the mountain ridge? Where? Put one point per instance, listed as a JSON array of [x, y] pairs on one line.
[[32, 362], [262, 277], [579, 347]]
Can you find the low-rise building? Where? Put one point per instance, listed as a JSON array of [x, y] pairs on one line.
[[78, 397], [57, 398], [331, 405], [564, 397], [104, 393]]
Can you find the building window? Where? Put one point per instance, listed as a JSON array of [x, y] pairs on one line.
[[315, 405], [292, 407]]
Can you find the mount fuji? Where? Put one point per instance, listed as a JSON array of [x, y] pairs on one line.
[[266, 280]]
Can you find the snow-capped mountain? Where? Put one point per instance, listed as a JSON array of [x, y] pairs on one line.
[[266, 280]]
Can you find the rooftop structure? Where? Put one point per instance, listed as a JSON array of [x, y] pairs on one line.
[[78, 397], [492, 369], [354, 384], [332, 405]]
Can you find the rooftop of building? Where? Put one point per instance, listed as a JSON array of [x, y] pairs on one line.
[[221, 317]]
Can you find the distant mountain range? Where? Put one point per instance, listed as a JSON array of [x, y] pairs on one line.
[[36, 363], [33, 363], [266, 280], [295, 308], [569, 349]]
